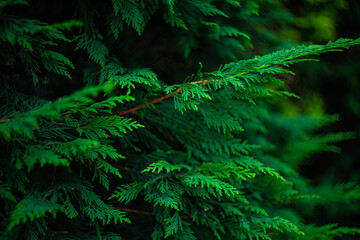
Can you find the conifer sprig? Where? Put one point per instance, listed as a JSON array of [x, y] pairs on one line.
[[245, 73], [77, 167]]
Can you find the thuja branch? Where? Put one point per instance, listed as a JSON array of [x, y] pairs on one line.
[[149, 103], [160, 99]]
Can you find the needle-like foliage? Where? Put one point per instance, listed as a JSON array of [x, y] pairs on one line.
[[140, 153]]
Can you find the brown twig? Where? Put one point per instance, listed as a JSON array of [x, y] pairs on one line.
[[136, 211], [157, 100], [143, 212]]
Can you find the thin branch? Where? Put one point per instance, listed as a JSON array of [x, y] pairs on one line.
[[144, 212], [149, 103], [157, 100], [136, 211], [160, 99]]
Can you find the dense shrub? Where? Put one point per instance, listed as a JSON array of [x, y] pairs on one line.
[[138, 119]]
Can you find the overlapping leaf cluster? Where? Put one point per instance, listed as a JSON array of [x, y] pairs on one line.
[[205, 165]]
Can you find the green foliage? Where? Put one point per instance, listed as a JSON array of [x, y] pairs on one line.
[[208, 157]]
